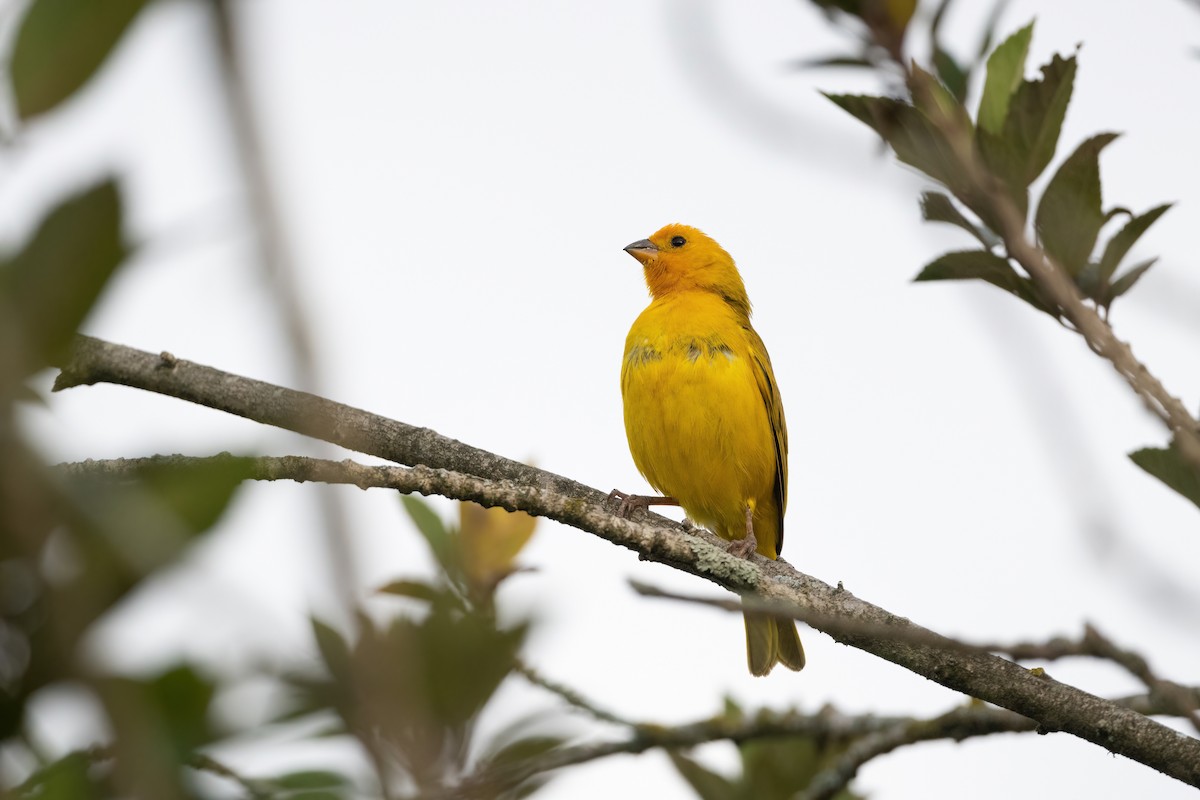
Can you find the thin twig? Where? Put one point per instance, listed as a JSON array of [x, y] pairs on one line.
[[973, 719], [260, 790], [572, 697], [201, 762], [824, 724]]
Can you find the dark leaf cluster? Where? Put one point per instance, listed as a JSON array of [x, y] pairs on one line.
[[989, 161]]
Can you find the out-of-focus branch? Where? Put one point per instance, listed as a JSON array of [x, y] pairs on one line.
[[495, 481], [201, 762], [826, 724], [279, 266], [571, 696], [962, 723]]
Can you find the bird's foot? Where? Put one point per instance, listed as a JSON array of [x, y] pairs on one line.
[[744, 548], [627, 503]]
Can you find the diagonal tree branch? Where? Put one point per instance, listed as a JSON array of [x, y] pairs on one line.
[[1053, 705]]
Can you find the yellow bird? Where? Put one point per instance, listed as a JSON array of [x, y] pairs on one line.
[[703, 414]]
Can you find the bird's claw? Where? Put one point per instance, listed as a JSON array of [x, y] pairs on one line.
[[744, 548], [626, 503]]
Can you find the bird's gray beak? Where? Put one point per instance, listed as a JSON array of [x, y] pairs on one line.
[[643, 250]]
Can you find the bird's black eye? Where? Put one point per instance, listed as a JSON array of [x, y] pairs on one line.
[[678, 241]]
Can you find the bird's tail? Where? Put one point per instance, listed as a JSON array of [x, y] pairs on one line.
[[770, 641]]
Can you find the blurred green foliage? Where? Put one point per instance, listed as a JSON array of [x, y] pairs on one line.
[[61, 44], [772, 768]]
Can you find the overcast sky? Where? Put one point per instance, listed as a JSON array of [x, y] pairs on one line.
[[457, 180]]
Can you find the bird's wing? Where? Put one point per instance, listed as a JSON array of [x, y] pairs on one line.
[[765, 376]]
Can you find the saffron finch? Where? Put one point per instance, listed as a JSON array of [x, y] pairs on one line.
[[703, 414]]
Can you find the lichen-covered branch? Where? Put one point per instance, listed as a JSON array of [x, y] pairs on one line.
[[495, 481], [1181, 700]]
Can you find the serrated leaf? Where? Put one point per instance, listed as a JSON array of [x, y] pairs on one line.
[[985, 266], [1005, 70], [707, 784], [951, 73], [431, 527], [1121, 242], [49, 287], [1008, 167], [955, 76], [61, 44], [1124, 283], [937, 207], [938, 103], [915, 140], [1035, 117], [1170, 467], [1070, 214]]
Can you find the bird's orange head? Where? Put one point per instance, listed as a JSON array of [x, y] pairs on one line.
[[680, 258]]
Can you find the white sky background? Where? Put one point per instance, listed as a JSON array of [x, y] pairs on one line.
[[458, 180]]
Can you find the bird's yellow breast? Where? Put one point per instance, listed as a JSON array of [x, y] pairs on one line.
[[695, 416]]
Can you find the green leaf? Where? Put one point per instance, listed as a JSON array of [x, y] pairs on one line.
[[198, 492], [1005, 70], [832, 61], [1070, 214], [48, 288], [707, 784], [414, 589], [938, 103], [985, 266], [1124, 283], [951, 73], [183, 697], [1170, 467], [61, 44], [1121, 242], [1035, 117], [915, 140], [1004, 162], [431, 527], [524, 749], [937, 207], [65, 779], [313, 785], [127, 528], [464, 661], [335, 652]]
